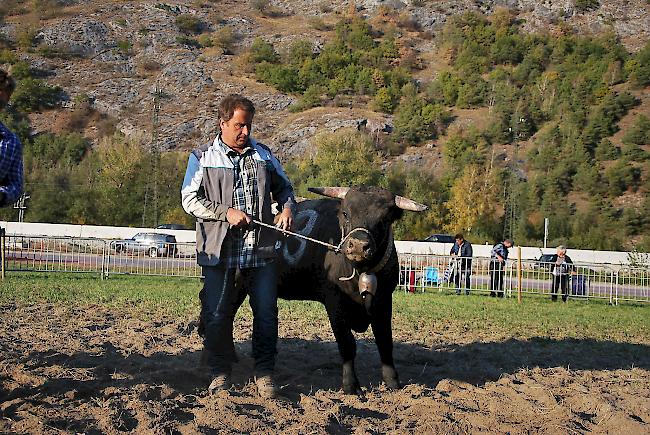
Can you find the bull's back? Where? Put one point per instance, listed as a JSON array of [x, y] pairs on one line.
[[303, 264]]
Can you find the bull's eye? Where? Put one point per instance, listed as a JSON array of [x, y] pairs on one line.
[[345, 215]]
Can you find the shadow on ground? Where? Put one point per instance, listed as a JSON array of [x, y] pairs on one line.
[[307, 366]]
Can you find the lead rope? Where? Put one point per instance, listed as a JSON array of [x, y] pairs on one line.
[[337, 248]]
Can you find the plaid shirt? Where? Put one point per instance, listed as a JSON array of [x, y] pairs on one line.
[[240, 243], [11, 166]]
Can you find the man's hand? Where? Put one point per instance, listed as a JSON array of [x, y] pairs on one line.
[[286, 219], [237, 218]]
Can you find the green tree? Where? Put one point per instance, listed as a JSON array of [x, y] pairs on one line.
[[343, 158], [606, 150]]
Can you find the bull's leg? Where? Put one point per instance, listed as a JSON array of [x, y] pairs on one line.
[[346, 344], [382, 329]]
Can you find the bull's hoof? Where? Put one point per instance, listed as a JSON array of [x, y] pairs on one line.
[[389, 374], [352, 389], [350, 381]]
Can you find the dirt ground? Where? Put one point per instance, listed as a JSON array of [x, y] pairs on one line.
[[94, 371]]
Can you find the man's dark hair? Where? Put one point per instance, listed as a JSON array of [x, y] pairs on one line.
[[459, 236], [233, 102], [7, 83]]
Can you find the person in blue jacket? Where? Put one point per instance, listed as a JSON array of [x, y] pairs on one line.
[[498, 259]]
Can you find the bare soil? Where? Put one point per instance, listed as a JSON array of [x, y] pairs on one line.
[[92, 370]]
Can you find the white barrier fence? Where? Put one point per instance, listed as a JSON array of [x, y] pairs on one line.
[[418, 272], [583, 280]]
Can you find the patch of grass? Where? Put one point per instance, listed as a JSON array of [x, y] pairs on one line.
[[488, 318], [417, 317]]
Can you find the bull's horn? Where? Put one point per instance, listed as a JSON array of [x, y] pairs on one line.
[[409, 204], [332, 192]]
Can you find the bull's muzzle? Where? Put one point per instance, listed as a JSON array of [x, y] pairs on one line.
[[358, 250]]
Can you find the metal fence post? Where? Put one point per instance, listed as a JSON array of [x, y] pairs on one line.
[[2, 253], [104, 267], [519, 278]]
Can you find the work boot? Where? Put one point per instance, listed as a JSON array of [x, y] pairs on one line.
[[266, 387], [222, 381]]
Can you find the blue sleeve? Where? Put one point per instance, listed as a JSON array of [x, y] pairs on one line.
[[12, 184]]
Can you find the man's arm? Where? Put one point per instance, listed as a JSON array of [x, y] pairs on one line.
[[12, 186], [193, 196], [282, 191]]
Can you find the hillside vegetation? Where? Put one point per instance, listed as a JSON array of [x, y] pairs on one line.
[[494, 127]]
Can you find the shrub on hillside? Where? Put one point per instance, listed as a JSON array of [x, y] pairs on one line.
[[50, 149], [638, 67], [606, 150], [225, 38], [416, 120], [262, 51], [639, 134], [343, 158], [586, 5], [283, 78], [33, 95], [189, 24]]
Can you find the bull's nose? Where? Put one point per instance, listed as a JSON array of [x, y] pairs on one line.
[[359, 248]]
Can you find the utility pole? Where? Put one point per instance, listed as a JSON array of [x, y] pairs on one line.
[[545, 231], [21, 205], [155, 153], [510, 199]]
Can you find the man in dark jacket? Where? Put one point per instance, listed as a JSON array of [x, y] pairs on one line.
[[462, 250], [561, 267], [497, 266]]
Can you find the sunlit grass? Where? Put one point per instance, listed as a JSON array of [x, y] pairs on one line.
[[417, 317]]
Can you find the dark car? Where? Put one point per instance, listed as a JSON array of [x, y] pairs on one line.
[[171, 227], [440, 238], [544, 261], [154, 244]]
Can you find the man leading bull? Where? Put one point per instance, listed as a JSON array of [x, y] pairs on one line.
[[228, 183]]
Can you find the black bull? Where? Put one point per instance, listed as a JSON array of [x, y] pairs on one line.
[[310, 271]]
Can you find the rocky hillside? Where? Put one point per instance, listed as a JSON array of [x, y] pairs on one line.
[[115, 55]]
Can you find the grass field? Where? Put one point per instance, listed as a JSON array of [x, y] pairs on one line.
[[432, 311]]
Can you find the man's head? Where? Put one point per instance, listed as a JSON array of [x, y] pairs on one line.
[[561, 251], [236, 120], [459, 238], [7, 87], [508, 243]]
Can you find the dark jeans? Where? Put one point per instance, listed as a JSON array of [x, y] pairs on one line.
[[220, 299], [560, 281], [467, 274], [496, 278]]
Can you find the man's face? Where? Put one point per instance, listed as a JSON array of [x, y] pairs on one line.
[[508, 245], [459, 242], [236, 130]]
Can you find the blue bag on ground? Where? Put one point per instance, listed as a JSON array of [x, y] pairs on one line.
[[579, 285]]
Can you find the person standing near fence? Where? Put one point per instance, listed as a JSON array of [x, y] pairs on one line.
[[228, 183], [561, 267], [498, 259], [462, 249], [11, 150]]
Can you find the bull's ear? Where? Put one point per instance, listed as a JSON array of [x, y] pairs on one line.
[[409, 204], [332, 192]]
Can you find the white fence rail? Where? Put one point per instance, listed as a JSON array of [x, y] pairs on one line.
[[418, 272], [585, 280]]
